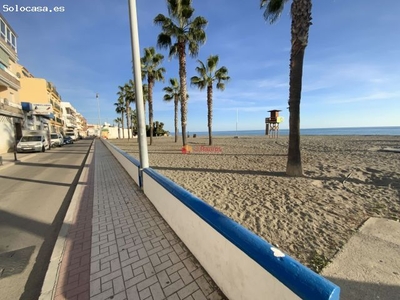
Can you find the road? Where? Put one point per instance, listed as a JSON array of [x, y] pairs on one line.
[[34, 197]]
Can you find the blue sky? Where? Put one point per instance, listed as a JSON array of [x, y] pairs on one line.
[[351, 69]]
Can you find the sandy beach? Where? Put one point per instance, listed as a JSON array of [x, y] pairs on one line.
[[347, 180]]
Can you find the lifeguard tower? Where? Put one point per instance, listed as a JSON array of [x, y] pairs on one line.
[[272, 123]]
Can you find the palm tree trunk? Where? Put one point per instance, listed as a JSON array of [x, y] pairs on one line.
[[127, 117], [150, 86], [301, 21], [122, 124], [176, 101], [182, 77], [209, 116]]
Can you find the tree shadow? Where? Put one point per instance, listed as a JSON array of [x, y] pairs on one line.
[[29, 164], [355, 290], [243, 172]]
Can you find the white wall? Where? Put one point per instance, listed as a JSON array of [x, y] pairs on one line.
[[6, 134]]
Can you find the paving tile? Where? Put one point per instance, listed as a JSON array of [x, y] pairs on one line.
[[135, 280], [118, 285], [163, 266], [145, 293], [164, 279], [185, 275], [157, 292], [188, 290], [172, 288], [204, 285], [198, 295], [175, 268]]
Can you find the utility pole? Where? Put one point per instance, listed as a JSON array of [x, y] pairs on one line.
[[98, 107], [137, 74]]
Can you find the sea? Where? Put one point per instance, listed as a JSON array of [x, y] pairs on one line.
[[392, 130]]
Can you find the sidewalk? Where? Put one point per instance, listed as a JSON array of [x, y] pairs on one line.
[[119, 247]]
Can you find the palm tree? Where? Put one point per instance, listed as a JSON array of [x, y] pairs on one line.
[[184, 30], [127, 92], [120, 109], [172, 92], [208, 75], [118, 121], [301, 22], [134, 121], [150, 71]]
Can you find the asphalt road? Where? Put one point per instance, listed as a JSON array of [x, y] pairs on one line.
[[34, 197]]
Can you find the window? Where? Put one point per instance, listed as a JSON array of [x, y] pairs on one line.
[[13, 42], [2, 29]]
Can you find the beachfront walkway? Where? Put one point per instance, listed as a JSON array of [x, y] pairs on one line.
[[119, 247]]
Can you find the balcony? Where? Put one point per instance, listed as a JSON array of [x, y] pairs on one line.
[[10, 108], [9, 80]]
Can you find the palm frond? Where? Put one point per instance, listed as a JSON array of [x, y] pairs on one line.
[[272, 9]]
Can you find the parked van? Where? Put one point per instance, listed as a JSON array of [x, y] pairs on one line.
[[33, 140]]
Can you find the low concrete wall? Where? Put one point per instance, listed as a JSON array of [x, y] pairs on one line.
[[242, 264], [130, 164]]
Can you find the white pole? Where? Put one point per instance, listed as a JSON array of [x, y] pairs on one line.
[[237, 119], [137, 74], [98, 108]]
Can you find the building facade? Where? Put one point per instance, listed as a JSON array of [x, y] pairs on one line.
[[71, 118], [45, 100], [11, 115]]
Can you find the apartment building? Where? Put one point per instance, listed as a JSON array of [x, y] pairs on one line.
[[45, 103], [71, 118], [82, 125], [11, 115]]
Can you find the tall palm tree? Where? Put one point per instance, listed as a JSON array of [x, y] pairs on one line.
[[301, 22], [179, 31], [127, 92], [172, 92], [152, 72], [120, 109], [118, 121], [208, 74]]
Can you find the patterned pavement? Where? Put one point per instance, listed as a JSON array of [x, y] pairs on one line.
[[119, 247]]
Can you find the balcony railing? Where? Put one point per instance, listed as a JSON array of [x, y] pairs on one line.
[[10, 79], [11, 107]]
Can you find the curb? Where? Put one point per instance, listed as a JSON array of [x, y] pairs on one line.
[[52, 275]]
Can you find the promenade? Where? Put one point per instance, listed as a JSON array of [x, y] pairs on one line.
[[118, 246]]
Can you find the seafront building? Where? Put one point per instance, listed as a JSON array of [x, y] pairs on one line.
[[71, 119], [28, 102], [11, 115]]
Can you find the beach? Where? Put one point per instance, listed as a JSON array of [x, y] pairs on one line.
[[347, 179]]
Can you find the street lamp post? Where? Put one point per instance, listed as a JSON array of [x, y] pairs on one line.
[[98, 107], [144, 158]]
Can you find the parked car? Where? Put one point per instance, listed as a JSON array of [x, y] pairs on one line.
[[33, 140], [57, 139], [68, 140]]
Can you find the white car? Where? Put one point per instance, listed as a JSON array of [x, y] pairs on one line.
[[33, 142], [57, 139]]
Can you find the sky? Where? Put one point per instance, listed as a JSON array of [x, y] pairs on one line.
[[350, 77]]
